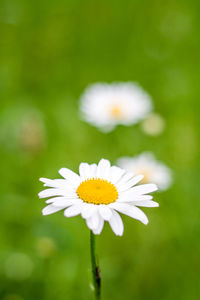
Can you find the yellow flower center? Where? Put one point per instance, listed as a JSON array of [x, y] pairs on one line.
[[116, 112], [97, 191]]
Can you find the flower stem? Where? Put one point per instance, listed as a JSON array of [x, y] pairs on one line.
[[95, 268]]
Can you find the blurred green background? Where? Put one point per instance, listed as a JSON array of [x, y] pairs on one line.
[[49, 52]]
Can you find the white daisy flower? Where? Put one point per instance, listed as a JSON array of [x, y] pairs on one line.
[[147, 165], [107, 105], [98, 194], [153, 125]]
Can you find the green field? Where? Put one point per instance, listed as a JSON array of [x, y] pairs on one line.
[[49, 52]]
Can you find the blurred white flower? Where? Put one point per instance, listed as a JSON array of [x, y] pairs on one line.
[[153, 125], [31, 134], [45, 247], [147, 165], [107, 105], [18, 266], [97, 194], [23, 128]]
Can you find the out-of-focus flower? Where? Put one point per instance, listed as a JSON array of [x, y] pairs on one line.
[[147, 165], [18, 266], [11, 12], [98, 194], [31, 134], [45, 247], [176, 25], [153, 125], [107, 105], [22, 129]]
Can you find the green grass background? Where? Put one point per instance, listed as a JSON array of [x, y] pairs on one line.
[[49, 52]]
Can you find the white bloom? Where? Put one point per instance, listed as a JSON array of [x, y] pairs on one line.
[[153, 125], [147, 165], [98, 194], [107, 105]]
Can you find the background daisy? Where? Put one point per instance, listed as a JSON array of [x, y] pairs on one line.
[[146, 164], [153, 125], [106, 105], [98, 194]]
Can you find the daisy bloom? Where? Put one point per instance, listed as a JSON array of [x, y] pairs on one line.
[[153, 125], [147, 165], [107, 105], [98, 194]]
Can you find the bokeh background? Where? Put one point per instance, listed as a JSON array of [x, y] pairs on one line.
[[49, 52]]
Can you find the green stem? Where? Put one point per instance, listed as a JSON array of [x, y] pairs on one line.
[[95, 268]]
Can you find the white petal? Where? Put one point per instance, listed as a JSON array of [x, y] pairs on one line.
[[50, 209], [56, 183], [130, 197], [131, 211], [96, 220], [100, 226], [88, 210], [69, 175], [116, 223], [116, 174], [127, 176], [144, 197], [105, 212], [93, 221], [50, 200], [54, 199], [66, 202], [103, 168], [84, 171], [144, 188], [145, 203], [127, 185], [52, 192], [73, 211], [93, 170]]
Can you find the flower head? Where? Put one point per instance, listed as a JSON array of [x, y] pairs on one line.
[[98, 194], [153, 125], [107, 105], [147, 165]]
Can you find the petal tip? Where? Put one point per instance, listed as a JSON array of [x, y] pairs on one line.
[[96, 232], [44, 212], [105, 161], [61, 171], [120, 234], [155, 187], [66, 214], [39, 194]]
